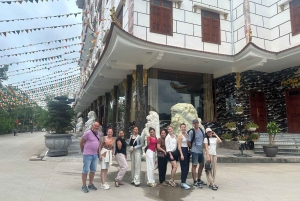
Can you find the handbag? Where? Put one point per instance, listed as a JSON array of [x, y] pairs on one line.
[[160, 154], [208, 166]]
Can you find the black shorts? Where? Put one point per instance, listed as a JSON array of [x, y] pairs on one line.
[[175, 155]]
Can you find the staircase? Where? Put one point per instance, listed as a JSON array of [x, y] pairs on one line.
[[288, 144]]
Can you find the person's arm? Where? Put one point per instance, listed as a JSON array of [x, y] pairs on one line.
[[101, 143], [218, 139], [82, 141], [189, 139], [148, 140], [168, 146], [206, 150], [179, 147]]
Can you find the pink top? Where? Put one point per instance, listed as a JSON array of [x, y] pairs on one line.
[[91, 144], [152, 144]]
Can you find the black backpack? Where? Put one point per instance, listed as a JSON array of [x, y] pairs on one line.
[[194, 133]]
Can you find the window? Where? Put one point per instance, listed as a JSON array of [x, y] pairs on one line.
[[210, 27], [161, 17], [295, 16]]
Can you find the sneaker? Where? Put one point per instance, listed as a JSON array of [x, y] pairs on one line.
[[84, 189], [105, 187], [188, 184], [185, 186], [164, 183], [199, 181], [92, 187], [197, 185]]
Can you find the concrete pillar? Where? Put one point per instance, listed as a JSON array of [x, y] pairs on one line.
[[128, 97], [141, 99], [115, 108], [106, 106]]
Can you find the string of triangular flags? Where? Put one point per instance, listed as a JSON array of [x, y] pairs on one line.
[[11, 96], [43, 50], [74, 59], [40, 59], [37, 29], [42, 93], [21, 1], [45, 77], [45, 68], [53, 41], [57, 85], [48, 82], [33, 18]]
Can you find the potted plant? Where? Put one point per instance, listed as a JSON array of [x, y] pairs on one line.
[[254, 137], [59, 120], [238, 110], [251, 126], [273, 129], [226, 136], [231, 126]]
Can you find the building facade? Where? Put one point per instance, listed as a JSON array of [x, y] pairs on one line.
[[147, 55]]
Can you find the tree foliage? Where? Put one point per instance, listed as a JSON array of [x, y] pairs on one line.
[[60, 114]]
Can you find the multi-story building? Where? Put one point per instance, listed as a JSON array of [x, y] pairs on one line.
[[147, 55]]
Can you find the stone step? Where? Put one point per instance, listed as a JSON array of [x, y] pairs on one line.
[[281, 153]]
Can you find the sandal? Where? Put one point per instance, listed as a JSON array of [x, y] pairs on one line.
[[117, 184], [172, 183], [213, 187], [216, 186]]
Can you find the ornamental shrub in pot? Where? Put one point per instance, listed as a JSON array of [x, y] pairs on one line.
[[59, 120]]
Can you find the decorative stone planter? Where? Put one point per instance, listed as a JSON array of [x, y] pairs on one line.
[[270, 151], [229, 145], [58, 144], [251, 129]]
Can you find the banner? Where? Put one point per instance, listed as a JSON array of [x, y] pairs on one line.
[[33, 18]]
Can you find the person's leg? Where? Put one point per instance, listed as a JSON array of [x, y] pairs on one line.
[[86, 168], [102, 176], [174, 169], [132, 157], [123, 166], [160, 169], [138, 164], [184, 169], [165, 167], [209, 176], [93, 168], [200, 169], [150, 160], [194, 165], [214, 167]]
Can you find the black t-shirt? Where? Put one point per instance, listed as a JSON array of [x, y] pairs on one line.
[[123, 147]]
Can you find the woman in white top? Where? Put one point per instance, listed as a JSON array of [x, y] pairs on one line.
[[210, 144], [171, 148], [184, 156]]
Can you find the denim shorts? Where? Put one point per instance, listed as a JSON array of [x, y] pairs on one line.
[[90, 163], [197, 158]]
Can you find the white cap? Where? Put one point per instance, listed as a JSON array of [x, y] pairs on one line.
[[207, 130]]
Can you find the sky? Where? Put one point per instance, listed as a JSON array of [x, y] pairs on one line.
[[41, 9]]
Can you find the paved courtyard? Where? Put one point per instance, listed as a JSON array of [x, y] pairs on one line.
[[21, 179]]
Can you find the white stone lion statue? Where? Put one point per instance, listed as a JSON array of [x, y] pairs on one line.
[[152, 122], [79, 125], [183, 113], [92, 118]]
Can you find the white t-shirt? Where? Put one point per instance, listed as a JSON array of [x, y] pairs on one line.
[[212, 148]]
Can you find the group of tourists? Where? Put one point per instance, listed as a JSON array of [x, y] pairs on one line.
[[168, 148]]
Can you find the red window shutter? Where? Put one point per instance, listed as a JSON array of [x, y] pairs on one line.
[[161, 17], [295, 16], [210, 27], [166, 21], [205, 26], [155, 19], [215, 28]]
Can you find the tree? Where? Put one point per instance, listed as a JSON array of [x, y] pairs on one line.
[[3, 75], [60, 114]]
